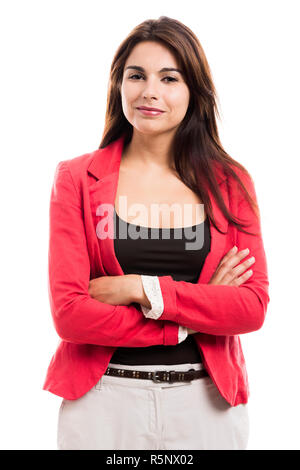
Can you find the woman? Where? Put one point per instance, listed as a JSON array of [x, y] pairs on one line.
[[149, 278]]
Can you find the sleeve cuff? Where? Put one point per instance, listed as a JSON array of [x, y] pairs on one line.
[[168, 292], [153, 292], [182, 333]]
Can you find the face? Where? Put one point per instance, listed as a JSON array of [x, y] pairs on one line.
[[150, 86]]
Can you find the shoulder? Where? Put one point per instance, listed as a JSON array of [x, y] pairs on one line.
[[243, 177], [76, 168], [78, 165]]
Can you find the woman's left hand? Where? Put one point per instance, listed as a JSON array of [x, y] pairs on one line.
[[116, 290]]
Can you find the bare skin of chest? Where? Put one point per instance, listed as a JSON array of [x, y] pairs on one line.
[[158, 200]]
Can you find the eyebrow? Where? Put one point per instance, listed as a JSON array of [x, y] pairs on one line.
[[165, 69]]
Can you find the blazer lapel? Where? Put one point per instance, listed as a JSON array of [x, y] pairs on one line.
[[105, 166]]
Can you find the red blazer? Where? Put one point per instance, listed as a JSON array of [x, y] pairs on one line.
[[90, 330]]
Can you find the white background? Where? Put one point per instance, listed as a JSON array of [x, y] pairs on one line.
[[55, 60]]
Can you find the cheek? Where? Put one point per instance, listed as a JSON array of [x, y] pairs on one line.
[[129, 98], [129, 93], [178, 102], [179, 109]]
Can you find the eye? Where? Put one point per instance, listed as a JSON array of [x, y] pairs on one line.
[[172, 79], [135, 75]]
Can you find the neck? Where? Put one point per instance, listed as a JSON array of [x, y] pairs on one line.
[[150, 151]]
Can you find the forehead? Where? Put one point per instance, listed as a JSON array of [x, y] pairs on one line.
[[150, 54]]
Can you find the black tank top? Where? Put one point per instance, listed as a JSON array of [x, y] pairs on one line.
[[161, 252]]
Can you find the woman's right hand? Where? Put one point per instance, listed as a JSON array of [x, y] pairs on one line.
[[229, 272]]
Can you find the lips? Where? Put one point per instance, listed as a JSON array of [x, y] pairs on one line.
[[150, 109]]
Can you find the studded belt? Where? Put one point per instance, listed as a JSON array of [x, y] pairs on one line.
[[158, 375]]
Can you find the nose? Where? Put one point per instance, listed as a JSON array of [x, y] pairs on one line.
[[149, 96], [150, 90]]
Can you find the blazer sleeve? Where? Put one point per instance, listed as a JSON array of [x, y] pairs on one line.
[[77, 317], [221, 309], [153, 292]]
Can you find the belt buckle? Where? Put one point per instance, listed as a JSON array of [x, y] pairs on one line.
[[169, 373], [156, 379]]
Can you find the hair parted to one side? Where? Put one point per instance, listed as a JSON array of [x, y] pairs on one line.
[[196, 146]]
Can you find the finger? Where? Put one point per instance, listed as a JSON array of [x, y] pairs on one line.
[[226, 277], [223, 273], [243, 266], [243, 278], [230, 271], [233, 260], [228, 255]]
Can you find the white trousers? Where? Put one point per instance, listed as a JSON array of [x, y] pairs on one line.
[[132, 414]]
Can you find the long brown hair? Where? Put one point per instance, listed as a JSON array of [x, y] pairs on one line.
[[196, 145]]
